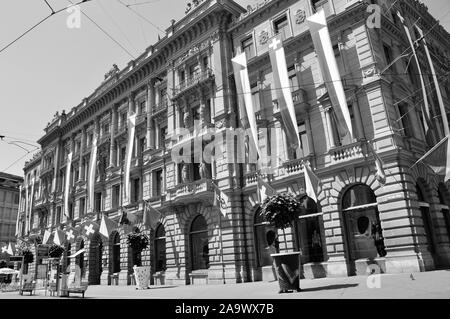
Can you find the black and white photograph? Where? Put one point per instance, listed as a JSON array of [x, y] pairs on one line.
[[224, 158]]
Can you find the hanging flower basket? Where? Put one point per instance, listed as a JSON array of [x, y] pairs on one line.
[[56, 251]]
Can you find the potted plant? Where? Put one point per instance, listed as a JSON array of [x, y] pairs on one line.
[[138, 241], [55, 251], [281, 211], [23, 249]]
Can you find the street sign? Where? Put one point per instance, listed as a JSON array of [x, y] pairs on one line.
[[15, 258]]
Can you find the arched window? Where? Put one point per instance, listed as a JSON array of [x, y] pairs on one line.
[[80, 258], [425, 213], [199, 244], [443, 200], [308, 232], [116, 253], [160, 248], [363, 227], [265, 238]]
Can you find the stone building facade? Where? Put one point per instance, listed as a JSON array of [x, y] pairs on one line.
[[185, 81], [9, 204]]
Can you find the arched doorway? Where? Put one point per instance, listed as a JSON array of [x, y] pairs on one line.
[[424, 207], [308, 232], [95, 260], [198, 236], [265, 240], [115, 253], [362, 221], [160, 248], [79, 260]]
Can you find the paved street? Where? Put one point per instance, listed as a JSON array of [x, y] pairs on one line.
[[425, 285]]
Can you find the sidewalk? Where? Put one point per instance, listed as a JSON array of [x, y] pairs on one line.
[[425, 285]]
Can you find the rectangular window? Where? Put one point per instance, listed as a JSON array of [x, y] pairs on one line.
[[115, 196], [248, 47], [281, 26], [162, 136], [98, 202], [142, 145], [387, 53], [71, 210], [124, 119], [123, 153], [255, 96], [304, 146], [142, 107], [135, 191], [106, 129], [16, 199], [205, 62], [293, 80], [158, 183], [404, 116], [352, 117], [82, 206]]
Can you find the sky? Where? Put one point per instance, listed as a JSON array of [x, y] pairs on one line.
[[54, 67]]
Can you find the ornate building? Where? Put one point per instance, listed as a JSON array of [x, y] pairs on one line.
[[9, 204], [186, 78]]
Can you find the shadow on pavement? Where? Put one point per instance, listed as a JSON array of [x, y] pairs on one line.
[[331, 287]]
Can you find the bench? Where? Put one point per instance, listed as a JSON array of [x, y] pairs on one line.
[[77, 290]]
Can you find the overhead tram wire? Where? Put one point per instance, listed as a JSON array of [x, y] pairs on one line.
[[141, 16], [39, 23], [116, 25], [106, 33]]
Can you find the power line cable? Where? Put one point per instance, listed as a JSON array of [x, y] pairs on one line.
[[38, 24], [110, 17], [141, 16]]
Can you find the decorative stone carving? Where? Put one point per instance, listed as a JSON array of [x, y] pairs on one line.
[[369, 72], [112, 72], [263, 37], [300, 16]]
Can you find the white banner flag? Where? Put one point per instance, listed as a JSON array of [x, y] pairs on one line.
[[92, 171], [27, 204], [131, 131], [67, 186], [436, 84], [245, 98], [330, 71], [283, 91], [426, 113]]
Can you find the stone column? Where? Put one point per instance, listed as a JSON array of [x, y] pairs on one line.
[[113, 126], [150, 104], [56, 167], [81, 176], [72, 150]]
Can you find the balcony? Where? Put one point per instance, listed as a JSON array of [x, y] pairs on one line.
[[47, 170], [141, 118], [193, 82], [192, 192], [250, 178], [293, 166], [347, 153], [160, 107]]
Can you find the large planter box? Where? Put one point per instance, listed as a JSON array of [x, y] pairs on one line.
[[142, 277], [287, 266]]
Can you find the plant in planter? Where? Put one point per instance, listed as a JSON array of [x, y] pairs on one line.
[[138, 241], [56, 251], [281, 211]]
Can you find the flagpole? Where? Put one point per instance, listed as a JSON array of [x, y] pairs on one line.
[[431, 151]]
